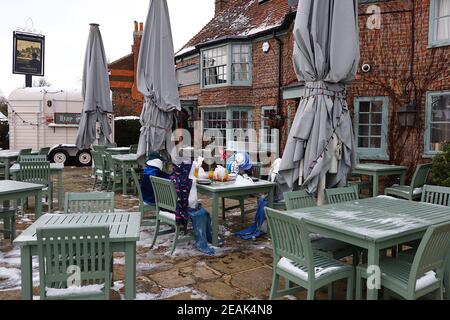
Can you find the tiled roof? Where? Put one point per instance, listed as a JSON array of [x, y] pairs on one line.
[[241, 18]]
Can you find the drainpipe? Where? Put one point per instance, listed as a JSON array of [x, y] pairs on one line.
[[280, 80]]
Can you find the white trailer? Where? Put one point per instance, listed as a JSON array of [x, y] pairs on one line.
[[48, 117]]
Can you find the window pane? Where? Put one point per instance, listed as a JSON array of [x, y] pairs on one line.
[[364, 107], [364, 118], [377, 118], [214, 66], [364, 130], [375, 131], [363, 142], [375, 143], [440, 109], [377, 106]]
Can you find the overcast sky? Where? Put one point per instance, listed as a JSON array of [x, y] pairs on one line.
[[66, 25]]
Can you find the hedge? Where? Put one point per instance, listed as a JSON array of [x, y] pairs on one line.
[[4, 135], [127, 131]]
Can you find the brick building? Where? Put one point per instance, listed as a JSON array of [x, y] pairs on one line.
[[238, 69]]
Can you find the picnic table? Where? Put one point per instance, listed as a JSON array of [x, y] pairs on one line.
[[228, 190], [374, 224], [377, 170], [118, 150], [55, 169], [126, 161], [16, 190], [124, 233], [6, 157]]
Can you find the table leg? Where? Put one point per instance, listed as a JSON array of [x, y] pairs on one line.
[[130, 270], [7, 165], [403, 178], [38, 203], [60, 191], [26, 273], [373, 260], [375, 182], [124, 179], [270, 198], [215, 220]]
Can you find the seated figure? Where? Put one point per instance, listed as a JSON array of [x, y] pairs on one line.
[[153, 168]]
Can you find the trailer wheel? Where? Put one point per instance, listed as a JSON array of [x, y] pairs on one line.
[[84, 158], [60, 156]]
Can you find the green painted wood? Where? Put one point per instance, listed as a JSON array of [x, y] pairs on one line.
[[143, 207], [123, 163], [38, 173], [60, 249], [298, 199], [124, 232], [293, 254], [436, 195], [98, 202], [134, 148], [116, 151], [25, 152], [33, 158], [378, 170], [100, 170], [344, 194], [6, 159], [418, 181], [166, 200], [219, 190], [44, 151], [8, 216], [401, 277]]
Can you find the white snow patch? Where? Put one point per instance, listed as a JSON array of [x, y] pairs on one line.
[[91, 289], [426, 280], [288, 265]]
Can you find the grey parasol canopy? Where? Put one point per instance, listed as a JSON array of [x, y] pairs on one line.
[[156, 80], [326, 57], [96, 94]]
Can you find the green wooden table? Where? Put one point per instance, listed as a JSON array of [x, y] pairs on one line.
[[15, 190], [126, 161], [374, 224], [228, 190], [377, 170], [56, 169], [6, 157], [124, 228], [118, 150]]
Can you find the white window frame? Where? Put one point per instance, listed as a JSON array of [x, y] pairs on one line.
[[264, 145], [428, 117], [432, 27]]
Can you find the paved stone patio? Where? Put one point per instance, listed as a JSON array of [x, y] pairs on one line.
[[239, 270]]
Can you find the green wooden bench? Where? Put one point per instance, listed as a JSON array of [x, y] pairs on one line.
[[166, 199], [409, 192], [92, 202], [62, 251], [421, 277], [295, 260]]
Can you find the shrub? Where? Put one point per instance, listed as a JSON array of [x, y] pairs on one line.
[[441, 168], [4, 135], [127, 131]]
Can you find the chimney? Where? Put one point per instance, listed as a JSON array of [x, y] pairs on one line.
[[137, 38], [136, 26], [141, 26], [220, 6]]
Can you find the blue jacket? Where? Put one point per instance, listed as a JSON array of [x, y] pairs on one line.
[[146, 185]]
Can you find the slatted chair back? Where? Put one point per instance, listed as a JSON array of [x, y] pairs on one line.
[[290, 239], [134, 148], [339, 195], [25, 152], [33, 158], [111, 145], [298, 200], [165, 194], [92, 202], [431, 254], [99, 148], [35, 172], [99, 160], [420, 176], [110, 165], [61, 251], [44, 151], [137, 183], [436, 195]]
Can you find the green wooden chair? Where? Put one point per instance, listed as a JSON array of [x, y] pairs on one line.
[[114, 173], [134, 148], [92, 202], [332, 248], [33, 158], [338, 195], [38, 173], [421, 277], [143, 207], [411, 192], [436, 195], [25, 152], [62, 251], [8, 216], [100, 171], [295, 260], [111, 145], [166, 199]]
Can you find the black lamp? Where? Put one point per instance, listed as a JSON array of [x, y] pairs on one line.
[[407, 115]]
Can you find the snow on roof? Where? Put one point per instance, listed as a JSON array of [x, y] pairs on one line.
[[241, 18], [3, 118], [126, 118]]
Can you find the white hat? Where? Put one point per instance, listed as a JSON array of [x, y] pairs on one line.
[[157, 163]]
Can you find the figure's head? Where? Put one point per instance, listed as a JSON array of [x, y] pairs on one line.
[[155, 160]]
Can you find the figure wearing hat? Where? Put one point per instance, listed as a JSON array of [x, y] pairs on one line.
[[153, 168]]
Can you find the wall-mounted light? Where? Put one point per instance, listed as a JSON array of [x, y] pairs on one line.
[[266, 47], [49, 103], [407, 115]]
